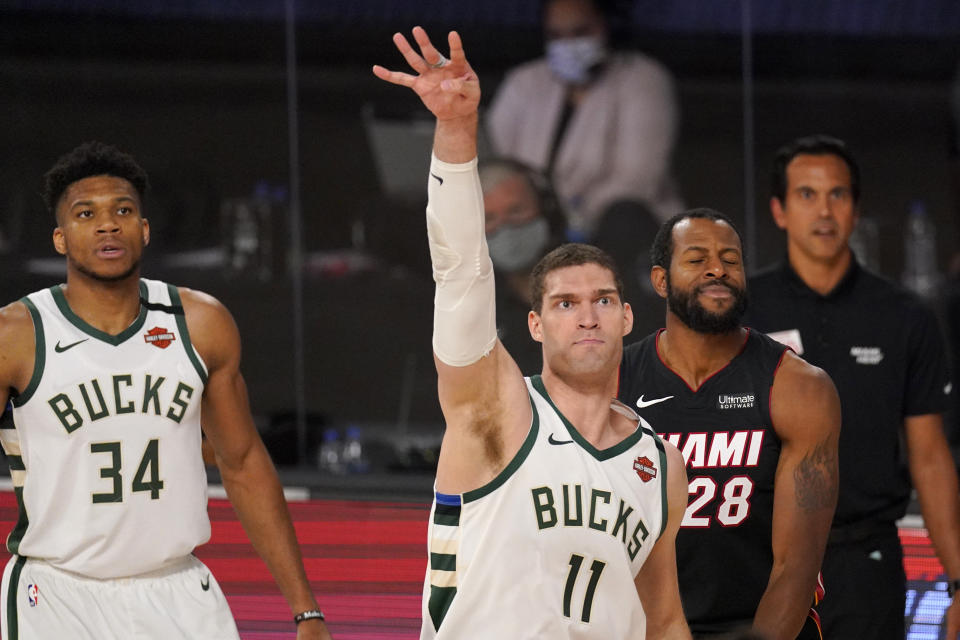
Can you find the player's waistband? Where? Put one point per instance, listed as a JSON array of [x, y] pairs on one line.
[[174, 566]]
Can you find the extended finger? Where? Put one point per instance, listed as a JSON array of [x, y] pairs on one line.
[[394, 77], [456, 48], [427, 50], [412, 57]]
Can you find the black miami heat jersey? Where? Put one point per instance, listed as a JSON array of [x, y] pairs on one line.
[[725, 433]]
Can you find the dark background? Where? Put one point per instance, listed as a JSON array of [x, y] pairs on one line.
[[198, 92]]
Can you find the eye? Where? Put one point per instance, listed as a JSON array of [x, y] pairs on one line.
[[605, 300], [565, 304], [806, 193], [85, 213], [124, 211]]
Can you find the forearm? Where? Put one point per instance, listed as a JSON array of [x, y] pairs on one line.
[[455, 140], [784, 606], [935, 480], [256, 494]]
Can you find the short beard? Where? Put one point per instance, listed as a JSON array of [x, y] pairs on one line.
[[99, 277], [688, 309]]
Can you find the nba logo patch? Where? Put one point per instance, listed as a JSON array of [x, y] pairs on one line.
[[645, 469], [33, 594]]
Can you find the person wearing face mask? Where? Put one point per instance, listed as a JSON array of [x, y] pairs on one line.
[[523, 221], [600, 124]]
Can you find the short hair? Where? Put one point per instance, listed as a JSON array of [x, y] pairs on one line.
[[572, 254], [661, 251], [815, 145], [91, 159]]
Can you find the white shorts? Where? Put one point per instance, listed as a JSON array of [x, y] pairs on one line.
[[39, 602]]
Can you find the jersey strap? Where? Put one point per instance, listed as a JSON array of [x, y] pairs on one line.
[[444, 544]]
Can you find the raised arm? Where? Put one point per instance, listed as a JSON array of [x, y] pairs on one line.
[[482, 394], [806, 416], [245, 467], [656, 582]]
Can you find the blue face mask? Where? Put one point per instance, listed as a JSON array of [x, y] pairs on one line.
[[514, 248], [571, 59]]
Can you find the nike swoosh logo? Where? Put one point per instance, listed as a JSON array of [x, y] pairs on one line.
[[439, 179], [205, 584], [60, 349], [646, 403], [552, 441]]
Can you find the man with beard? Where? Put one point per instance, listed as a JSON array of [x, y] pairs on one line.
[[107, 377], [758, 428]]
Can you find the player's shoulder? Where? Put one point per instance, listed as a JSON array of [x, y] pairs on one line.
[[200, 303], [801, 380], [16, 322]]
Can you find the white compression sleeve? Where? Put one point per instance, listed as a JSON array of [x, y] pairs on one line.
[[464, 316]]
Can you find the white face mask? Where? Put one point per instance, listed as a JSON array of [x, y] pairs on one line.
[[571, 59], [513, 248]]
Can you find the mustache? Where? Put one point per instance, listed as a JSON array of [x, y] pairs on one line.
[[722, 283]]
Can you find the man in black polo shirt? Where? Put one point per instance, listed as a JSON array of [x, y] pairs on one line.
[[882, 348]]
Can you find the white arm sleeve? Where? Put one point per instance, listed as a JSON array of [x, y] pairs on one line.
[[464, 317]]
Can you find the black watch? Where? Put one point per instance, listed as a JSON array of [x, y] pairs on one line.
[[953, 586]]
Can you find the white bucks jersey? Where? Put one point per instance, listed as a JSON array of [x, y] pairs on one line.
[[104, 443], [549, 548]]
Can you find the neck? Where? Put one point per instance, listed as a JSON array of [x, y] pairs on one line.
[[585, 400], [110, 307], [820, 275], [696, 356]]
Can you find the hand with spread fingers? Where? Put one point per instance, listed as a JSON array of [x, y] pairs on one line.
[[449, 88]]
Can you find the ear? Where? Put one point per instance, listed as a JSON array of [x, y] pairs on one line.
[[145, 227], [658, 278], [779, 215], [535, 324], [59, 241], [627, 318]]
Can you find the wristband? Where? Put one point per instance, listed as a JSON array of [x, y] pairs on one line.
[[308, 615], [953, 586]]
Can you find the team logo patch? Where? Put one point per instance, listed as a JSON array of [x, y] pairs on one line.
[[159, 337], [735, 400], [867, 355], [644, 468], [33, 594]]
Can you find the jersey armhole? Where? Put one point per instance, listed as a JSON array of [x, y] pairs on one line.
[[181, 317]]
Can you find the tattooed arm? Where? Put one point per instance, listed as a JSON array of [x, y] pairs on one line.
[[805, 410]]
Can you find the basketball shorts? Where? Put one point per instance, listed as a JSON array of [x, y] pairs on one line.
[[38, 601]]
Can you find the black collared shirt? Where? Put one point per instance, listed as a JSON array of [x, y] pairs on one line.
[[883, 349]]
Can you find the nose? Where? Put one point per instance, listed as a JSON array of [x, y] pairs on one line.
[[715, 268], [108, 224], [589, 319]]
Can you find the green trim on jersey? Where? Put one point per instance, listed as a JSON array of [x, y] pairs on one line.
[[513, 465], [440, 600], [90, 330], [664, 507], [185, 335], [606, 454], [20, 528], [12, 625], [39, 356]]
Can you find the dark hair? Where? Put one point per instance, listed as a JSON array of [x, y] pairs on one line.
[[572, 254], [815, 145], [91, 159], [662, 249]]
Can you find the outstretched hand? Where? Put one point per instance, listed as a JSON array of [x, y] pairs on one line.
[[448, 88]]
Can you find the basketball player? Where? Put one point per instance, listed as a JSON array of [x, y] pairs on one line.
[[556, 508], [107, 378], [758, 428]]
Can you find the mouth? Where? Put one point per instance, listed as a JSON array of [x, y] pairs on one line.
[[110, 251], [589, 341], [825, 231], [716, 291]]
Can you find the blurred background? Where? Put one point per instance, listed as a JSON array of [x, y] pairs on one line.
[[289, 182]]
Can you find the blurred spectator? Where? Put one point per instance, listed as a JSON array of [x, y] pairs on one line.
[[523, 223], [601, 124]]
